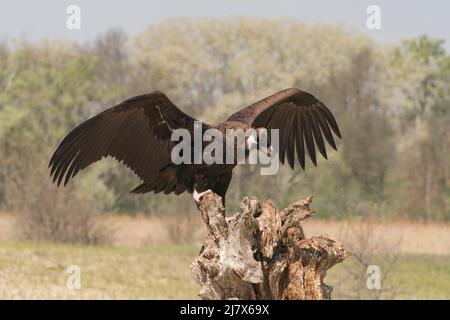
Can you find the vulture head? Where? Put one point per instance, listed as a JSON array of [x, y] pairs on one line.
[[259, 139]]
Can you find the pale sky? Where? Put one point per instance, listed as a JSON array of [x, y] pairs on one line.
[[34, 20]]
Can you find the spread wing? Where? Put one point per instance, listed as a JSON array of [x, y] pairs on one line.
[[302, 119], [136, 131]]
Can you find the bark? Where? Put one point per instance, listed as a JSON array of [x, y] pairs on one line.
[[262, 253]]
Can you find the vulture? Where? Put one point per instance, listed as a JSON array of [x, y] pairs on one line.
[[138, 133]]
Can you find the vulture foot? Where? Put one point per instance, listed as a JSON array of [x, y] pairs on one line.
[[197, 196]]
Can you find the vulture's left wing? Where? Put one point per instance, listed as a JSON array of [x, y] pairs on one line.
[[301, 118]]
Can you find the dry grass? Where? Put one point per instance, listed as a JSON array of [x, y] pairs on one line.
[[409, 237], [142, 261], [142, 231], [7, 226]]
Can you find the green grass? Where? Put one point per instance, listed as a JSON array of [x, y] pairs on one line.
[[423, 277], [411, 277], [38, 271]]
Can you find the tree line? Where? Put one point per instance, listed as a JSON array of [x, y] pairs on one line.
[[392, 103]]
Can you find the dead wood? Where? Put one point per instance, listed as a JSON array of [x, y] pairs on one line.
[[262, 253]]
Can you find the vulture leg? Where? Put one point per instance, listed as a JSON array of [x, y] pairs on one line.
[[216, 184], [221, 185]]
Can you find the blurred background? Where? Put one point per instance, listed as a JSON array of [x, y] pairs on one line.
[[385, 193]]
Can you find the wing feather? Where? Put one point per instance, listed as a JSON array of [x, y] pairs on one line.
[[309, 139], [325, 129], [300, 146], [302, 119], [136, 132], [318, 135]]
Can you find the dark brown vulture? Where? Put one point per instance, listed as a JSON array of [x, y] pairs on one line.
[[138, 132]]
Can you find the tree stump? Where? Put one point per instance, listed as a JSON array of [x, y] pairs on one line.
[[262, 253]]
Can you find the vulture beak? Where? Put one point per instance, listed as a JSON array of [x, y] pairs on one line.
[[267, 151]]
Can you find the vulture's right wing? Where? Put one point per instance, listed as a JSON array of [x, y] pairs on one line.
[[136, 131]]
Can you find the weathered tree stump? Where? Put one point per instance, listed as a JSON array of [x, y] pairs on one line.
[[262, 253]]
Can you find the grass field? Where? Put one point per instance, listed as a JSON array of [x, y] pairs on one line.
[[412, 277], [38, 271]]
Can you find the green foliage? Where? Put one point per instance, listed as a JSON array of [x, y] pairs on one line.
[[423, 75], [392, 104]]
